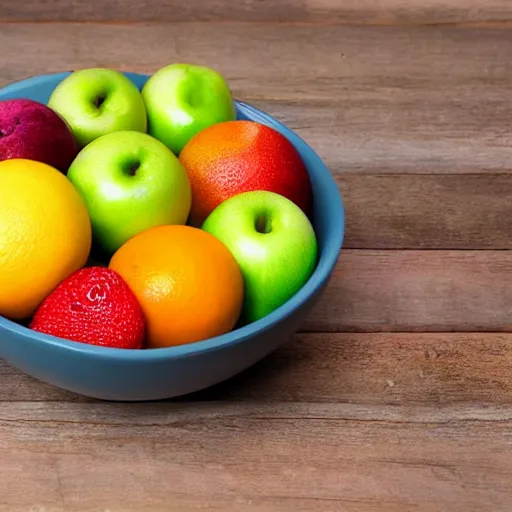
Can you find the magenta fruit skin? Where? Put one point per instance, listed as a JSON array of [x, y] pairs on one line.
[[31, 130]]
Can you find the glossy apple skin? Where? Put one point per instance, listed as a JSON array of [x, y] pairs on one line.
[[31, 130], [183, 99], [130, 182], [274, 244], [98, 101], [239, 156]]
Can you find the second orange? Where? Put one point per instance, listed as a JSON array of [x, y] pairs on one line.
[[189, 285]]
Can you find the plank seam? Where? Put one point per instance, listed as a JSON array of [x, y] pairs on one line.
[[469, 24]]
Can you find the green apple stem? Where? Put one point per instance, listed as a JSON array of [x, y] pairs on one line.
[[132, 168], [263, 224], [98, 102]]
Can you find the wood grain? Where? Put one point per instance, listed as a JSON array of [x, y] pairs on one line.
[[368, 99], [427, 212], [363, 12], [417, 291], [386, 409], [279, 456], [369, 369]]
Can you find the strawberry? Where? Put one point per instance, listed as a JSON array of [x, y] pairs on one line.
[[93, 305]]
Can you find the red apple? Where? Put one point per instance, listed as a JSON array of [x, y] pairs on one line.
[[31, 130], [233, 157]]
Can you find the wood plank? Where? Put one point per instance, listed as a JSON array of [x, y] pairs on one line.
[[392, 369], [368, 99], [254, 457], [379, 368], [364, 12], [417, 291], [427, 212], [398, 130]]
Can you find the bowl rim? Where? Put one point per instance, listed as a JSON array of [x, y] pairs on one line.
[[321, 274]]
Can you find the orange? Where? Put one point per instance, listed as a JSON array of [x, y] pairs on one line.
[[233, 157], [45, 234], [188, 283]]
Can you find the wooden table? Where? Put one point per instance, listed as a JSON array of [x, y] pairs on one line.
[[397, 395]]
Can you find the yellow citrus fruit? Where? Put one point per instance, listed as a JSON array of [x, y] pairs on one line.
[[45, 234], [188, 283]]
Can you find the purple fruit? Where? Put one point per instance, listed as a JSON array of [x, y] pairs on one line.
[[33, 131]]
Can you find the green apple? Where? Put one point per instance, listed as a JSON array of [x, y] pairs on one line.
[[130, 182], [274, 244], [98, 101], [183, 99]]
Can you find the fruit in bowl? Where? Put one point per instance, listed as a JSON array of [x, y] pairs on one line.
[[93, 305], [274, 243], [183, 99], [239, 156], [31, 130], [130, 182], [98, 101], [188, 283], [45, 234], [191, 280]]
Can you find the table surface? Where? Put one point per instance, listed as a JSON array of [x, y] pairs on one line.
[[396, 395]]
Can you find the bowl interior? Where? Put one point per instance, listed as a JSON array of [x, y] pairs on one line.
[[327, 216]]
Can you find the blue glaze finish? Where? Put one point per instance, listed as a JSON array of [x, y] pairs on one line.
[[132, 375]]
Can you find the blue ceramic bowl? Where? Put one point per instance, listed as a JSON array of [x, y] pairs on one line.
[[130, 375]]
